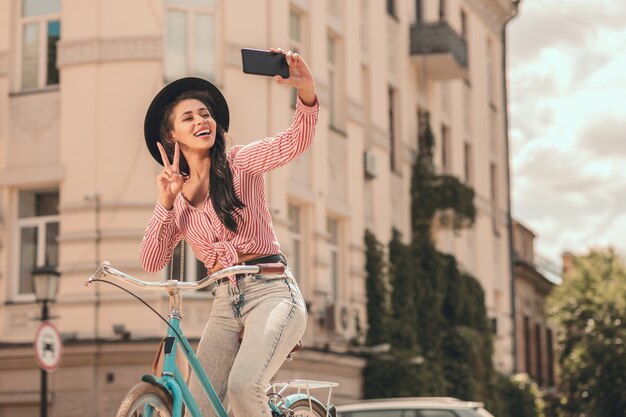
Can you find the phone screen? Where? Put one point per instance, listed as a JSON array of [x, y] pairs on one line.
[[261, 62]]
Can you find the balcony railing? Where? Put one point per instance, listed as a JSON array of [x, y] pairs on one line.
[[441, 50]]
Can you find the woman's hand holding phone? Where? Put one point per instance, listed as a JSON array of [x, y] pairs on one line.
[[300, 77]]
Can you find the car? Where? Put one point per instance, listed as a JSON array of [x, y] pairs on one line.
[[413, 407]]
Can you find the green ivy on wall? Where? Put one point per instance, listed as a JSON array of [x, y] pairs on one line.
[[432, 314]]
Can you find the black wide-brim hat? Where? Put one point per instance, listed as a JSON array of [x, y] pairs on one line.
[[167, 95]]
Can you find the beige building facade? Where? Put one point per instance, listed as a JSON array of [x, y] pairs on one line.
[[77, 185], [535, 337]]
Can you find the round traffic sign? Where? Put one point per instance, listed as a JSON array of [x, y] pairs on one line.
[[48, 347]]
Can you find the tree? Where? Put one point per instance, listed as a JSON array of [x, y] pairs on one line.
[[590, 309], [377, 292], [438, 324]]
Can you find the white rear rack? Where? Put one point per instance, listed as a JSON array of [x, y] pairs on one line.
[[302, 386]]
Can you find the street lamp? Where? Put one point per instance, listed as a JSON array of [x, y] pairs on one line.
[[46, 284]]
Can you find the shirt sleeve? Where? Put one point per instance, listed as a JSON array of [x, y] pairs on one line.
[[159, 240], [270, 153]]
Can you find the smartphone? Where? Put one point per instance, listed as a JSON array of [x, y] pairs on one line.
[[261, 62]]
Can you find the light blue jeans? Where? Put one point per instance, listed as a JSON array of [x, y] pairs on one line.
[[274, 316]]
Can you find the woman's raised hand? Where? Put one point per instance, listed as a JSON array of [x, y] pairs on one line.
[[300, 76], [169, 181]]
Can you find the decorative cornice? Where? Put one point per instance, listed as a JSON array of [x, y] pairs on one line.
[[356, 271], [90, 206], [31, 175], [301, 4], [357, 247], [494, 13], [91, 51], [106, 234], [4, 63]]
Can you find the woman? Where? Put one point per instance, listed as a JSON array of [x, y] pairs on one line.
[[215, 200]]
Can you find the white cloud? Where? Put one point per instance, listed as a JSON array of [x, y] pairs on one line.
[[568, 123]]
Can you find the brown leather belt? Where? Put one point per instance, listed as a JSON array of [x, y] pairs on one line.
[[269, 259]]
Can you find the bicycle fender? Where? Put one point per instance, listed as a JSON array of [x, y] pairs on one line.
[[290, 399], [152, 380]]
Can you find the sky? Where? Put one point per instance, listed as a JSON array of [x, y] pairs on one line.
[[567, 123]]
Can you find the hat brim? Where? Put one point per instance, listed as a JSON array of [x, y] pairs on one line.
[[167, 95]]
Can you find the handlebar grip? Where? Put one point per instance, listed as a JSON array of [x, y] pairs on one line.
[[271, 269]]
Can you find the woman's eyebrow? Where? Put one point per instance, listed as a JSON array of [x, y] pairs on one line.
[[199, 110]]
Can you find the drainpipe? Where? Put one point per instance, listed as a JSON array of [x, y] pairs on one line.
[[509, 218]]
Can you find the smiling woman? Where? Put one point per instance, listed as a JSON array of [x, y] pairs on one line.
[[214, 198], [188, 124]]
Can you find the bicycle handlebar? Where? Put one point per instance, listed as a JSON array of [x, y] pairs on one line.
[[268, 271]]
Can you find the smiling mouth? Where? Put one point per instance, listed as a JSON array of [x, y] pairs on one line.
[[202, 133]]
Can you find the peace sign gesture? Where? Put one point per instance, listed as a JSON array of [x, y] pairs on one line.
[[169, 181]]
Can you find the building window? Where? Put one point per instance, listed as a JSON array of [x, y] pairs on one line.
[[193, 269], [333, 80], [464, 24], [295, 231], [467, 165], [393, 123], [467, 106], [38, 229], [296, 41], [446, 150], [493, 186], [493, 131], [332, 229], [364, 28], [422, 125], [491, 79], [419, 11], [40, 29], [538, 353], [190, 44], [527, 356], [442, 10], [550, 359], [391, 8]]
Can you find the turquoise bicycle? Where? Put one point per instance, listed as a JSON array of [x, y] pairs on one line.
[[164, 395]]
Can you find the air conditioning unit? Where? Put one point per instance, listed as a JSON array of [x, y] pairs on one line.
[[369, 164], [340, 320]]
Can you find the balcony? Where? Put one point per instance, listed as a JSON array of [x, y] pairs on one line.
[[439, 50]]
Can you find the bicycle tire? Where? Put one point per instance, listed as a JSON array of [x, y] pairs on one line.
[[302, 408], [145, 394]]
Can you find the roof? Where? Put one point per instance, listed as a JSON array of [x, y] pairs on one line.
[[408, 402]]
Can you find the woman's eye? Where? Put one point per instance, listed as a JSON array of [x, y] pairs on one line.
[[187, 119], [206, 115]]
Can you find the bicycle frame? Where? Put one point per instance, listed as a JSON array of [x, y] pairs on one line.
[[172, 380]]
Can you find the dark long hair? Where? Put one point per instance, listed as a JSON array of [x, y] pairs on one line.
[[222, 190]]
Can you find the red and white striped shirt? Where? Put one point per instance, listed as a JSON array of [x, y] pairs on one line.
[[204, 231]]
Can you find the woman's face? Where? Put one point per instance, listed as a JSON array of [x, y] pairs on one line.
[[193, 127]]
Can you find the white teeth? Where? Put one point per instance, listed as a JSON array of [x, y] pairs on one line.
[[203, 132]]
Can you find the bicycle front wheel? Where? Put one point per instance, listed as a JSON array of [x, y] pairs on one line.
[[145, 399], [302, 408]]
